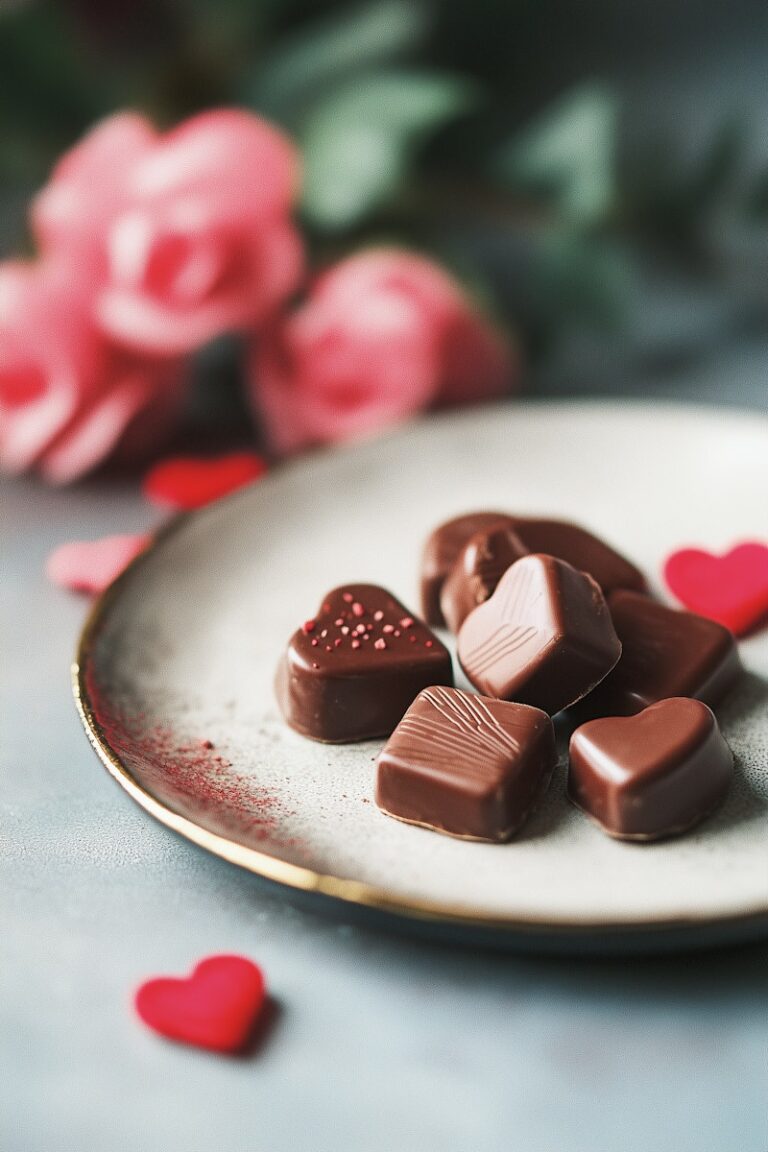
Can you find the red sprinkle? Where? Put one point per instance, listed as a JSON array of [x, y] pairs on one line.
[[378, 615], [347, 597], [314, 665], [412, 639], [388, 628], [406, 622], [360, 629], [309, 626], [345, 630], [380, 644], [207, 744], [427, 643], [339, 622], [324, 633], [357, 609], [355, 643], [314, 642], [337, 641]]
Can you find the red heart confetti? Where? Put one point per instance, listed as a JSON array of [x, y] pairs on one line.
[[216, 1007], [187, 482], [732, 589], [91, 565]]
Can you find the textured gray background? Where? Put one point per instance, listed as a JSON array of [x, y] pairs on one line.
[[377, 1043]]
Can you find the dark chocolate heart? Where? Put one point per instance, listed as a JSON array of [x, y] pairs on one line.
[[650, 775], [352, 671]]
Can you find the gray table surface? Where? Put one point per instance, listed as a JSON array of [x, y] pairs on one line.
[[377, 1043]]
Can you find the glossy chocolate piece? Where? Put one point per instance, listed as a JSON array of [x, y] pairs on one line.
[[350, 673], [476, 572], [466, 765], [577, 546], [664, 653], [545, 637], [440, 552], [651, 775]]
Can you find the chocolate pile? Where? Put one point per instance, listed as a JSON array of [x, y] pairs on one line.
[[548, 618]]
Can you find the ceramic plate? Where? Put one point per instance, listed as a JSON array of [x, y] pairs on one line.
[[174, 673]]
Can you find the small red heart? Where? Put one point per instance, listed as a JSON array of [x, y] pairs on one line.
[[91, 565], [187, 482], [732, 589], [216, 1007]]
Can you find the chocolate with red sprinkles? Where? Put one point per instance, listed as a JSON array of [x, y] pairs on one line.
[[346, 690]]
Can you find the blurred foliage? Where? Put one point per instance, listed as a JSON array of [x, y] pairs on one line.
[[449, 125]]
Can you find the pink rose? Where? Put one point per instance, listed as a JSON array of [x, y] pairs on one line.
[[383, 335], [68, 398], [188, 233]]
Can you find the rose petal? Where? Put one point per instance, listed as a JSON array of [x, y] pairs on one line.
[[187, 482], [90, 566]]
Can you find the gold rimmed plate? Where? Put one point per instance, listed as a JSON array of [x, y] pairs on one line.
[[173, 677]]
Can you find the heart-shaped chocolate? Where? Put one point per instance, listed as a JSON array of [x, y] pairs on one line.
[[466, 765], [216, 1007], [441, 549], [583, 550], [664, 653], [351, 672], [732, 589], [545, 637], [476, 573], [650, 775]]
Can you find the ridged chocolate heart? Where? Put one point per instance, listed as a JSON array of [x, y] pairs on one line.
[[544, 638]]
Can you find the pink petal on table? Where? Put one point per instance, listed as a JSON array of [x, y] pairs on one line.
[[90, 566]]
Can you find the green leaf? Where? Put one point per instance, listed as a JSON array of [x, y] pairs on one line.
[[328, 50], [577, 279], [757, 198], [360, 141], [569, 154]]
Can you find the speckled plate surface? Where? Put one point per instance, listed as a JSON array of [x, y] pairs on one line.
[[175, 667]]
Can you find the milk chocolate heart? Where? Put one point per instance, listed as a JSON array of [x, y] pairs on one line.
[[651, 775], [351, 672], [577, 546], [476, 573], [544, 638], [216, 1007], [732, 589], [440, 552], [664, 653]]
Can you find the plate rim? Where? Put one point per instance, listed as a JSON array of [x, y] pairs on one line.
[[339, 888]]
